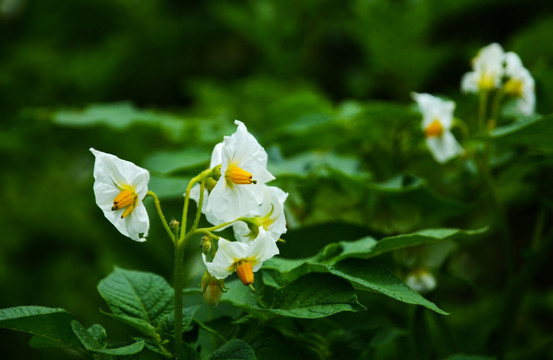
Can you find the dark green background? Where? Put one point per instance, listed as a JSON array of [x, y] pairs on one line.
[[265, 62]]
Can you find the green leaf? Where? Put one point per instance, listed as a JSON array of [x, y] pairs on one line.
[[92, 345], [167, 162], [98, 333], [167, 323], [139, 295], [315, 296], [51, 326], [368, 247], [139, 324], [374, 276], [120, 116], [533, 131], [234, 349]]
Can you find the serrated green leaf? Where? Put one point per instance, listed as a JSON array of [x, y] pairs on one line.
[[315, 296], [234, 349], [167, 162], [374, 276], [51, 326], [140, 295]]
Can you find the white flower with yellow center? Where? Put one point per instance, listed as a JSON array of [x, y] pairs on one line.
[[520, 84], [119, 187], [243, 173], [487, 70], [269, 215], [244, 258], [437, 118]]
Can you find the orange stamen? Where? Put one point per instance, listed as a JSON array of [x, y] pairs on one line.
[[245, 272], [435, 128], [239, 176], [125, 200]]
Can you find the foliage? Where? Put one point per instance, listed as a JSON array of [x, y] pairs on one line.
[[325, 87]]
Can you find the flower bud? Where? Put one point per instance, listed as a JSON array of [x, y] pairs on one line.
[[212, 289], [205, 244], [174, 224]]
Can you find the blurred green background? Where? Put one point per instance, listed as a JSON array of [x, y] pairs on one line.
[[171, 76]]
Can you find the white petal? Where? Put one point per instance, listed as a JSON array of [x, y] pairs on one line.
[[216, 155], [444, 148], [229, 202], [469, 83], [195, 195], [111, 174], [218, 267], [137, 223], [262, 248], [227, 254], [434, 108]]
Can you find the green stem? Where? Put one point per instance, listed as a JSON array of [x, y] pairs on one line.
[[160, 213], [495, 109], [178, 285], [482, 109], [200, 204], [180, 245]]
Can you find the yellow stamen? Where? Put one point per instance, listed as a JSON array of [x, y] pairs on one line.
[[513, 87], [127, 199], [435, 128], [487, 82], [245, 272], [239, 176]]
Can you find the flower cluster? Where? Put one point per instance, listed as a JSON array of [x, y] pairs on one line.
[[493, 71], [240, 198], [234, 195]]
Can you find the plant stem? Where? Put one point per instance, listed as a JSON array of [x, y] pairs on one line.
[[495, 108], [178, 285], [180, 245], [160, 213], [200, 204], [482, 110]]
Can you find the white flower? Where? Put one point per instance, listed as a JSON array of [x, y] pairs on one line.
[[243, 173], [487, 70], [520, 84], [437, 118], [244, 258], [269, 215], [119, 187], [421, 280]]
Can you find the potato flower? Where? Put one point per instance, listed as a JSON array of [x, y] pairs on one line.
[[487, 71], [244, 258], [243, 175], [120, 187], [269, 215], [520, 84], [436, 123]]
